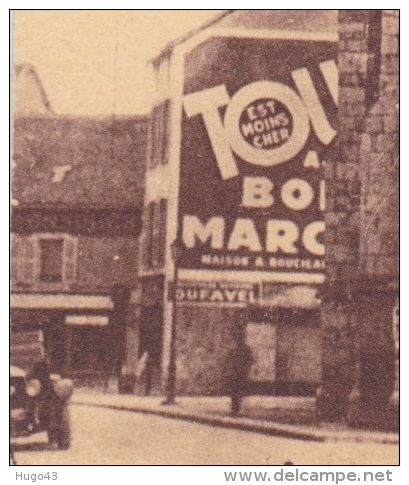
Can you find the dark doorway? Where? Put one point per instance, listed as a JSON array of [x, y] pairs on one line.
[[151, 343]]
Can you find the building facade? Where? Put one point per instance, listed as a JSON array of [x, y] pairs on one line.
[[360, 320], [77, 193], [235, 198]]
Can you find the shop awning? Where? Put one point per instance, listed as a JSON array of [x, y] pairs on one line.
[[60, 301]]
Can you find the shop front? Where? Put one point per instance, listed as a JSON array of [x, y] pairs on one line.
[[76, 333], [284, 335]]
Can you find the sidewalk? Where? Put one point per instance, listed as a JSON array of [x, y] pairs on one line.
[[291, 417]]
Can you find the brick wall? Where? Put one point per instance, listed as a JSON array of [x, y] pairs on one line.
[[362, 221], [379, 152]]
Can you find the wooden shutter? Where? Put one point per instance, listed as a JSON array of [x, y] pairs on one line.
[[69, 259], [148, 231], [155, 235], [29, 260], [165, 135], [15, 258], [155, 137], [163, 209]]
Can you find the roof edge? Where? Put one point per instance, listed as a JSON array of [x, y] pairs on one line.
[[171, 45]]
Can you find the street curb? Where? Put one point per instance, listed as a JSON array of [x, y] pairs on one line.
[[245, 424]]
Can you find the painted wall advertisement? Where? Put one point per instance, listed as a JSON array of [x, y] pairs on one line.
[[258, 116], [214, 292]]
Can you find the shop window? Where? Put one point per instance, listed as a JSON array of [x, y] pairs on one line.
[[82, 339], [43, 259]]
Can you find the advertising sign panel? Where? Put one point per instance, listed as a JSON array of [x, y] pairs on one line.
[[258, 116], [214, 292]]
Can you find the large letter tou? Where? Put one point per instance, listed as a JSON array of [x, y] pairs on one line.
[[309, 95], [206, 103]]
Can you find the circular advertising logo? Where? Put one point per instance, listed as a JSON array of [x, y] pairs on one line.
[[267, 123]]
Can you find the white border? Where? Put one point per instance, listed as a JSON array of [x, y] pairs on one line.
[[250, 276], [243, 33], [189, 474]]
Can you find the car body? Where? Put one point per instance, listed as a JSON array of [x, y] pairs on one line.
[[33, 409]]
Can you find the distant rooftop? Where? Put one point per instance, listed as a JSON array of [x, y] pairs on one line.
[[29, 98], [70, 161]]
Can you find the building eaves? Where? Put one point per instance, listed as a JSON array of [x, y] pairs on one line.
[[169, 47]]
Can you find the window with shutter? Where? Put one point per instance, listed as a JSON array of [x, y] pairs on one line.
[[51, 260], [45, 259]]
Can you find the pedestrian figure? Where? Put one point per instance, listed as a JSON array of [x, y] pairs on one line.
[[239, 361]]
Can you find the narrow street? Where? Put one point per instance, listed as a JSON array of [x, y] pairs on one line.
[[204, 205], [108, 437]]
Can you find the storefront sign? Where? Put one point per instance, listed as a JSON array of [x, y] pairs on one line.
[[256, 124], [218, 293], [100, 320]]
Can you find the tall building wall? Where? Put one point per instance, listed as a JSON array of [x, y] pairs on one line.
[[362, 224], [232, 56]]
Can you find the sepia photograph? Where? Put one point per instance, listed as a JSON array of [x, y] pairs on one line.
[[204, 239]]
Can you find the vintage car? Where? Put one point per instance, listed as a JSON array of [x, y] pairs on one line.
[[34, 409]]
